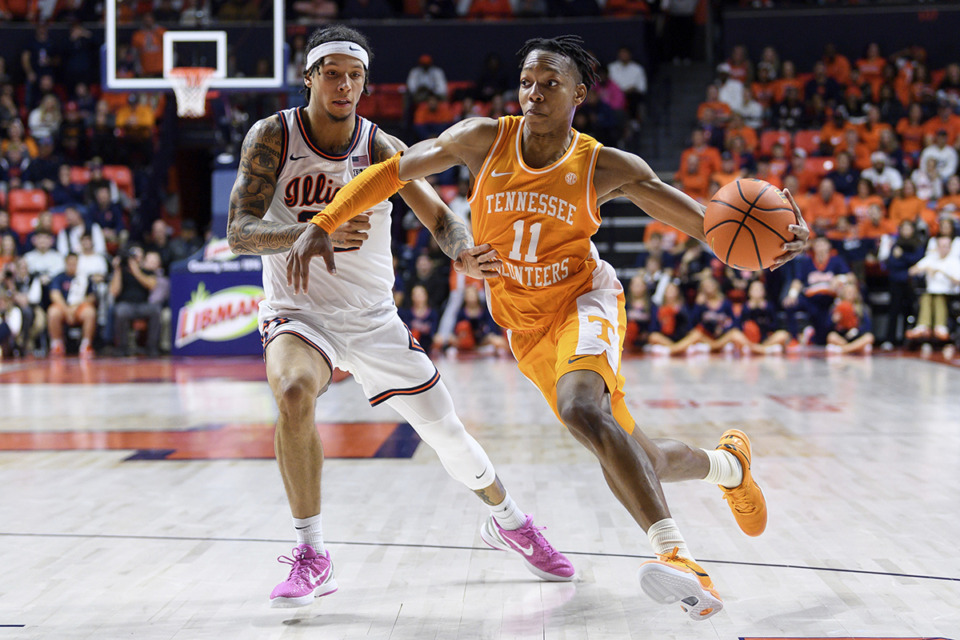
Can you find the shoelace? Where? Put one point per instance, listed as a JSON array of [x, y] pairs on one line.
[[735, 497], [541, 541], [298, 564]]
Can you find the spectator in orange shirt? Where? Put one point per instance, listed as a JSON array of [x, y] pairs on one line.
[[832, 133], [945, 120], [736, 127], [871, 67], [908, 206], [670, 240], [791, 183], [911, 131], [837, 65], [865, 197], [740, 66], [728, 170], [148, 43], [721, 109], [859, 151], [869, 131], [875, 224], [763, 172], [950, 202], [825, 208], [807, 178], [765, 87], [779, 162], [708, 157], [788, 79], [432, 117], [694, 179]]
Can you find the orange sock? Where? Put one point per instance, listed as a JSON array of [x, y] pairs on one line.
[[374, 185]]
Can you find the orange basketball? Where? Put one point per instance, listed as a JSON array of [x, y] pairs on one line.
[[747, 222]]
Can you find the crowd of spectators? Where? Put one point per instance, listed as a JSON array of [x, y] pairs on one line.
[[82, 259], [868, 147]]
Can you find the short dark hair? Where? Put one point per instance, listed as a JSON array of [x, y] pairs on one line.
[[333, 33], [570, 46]]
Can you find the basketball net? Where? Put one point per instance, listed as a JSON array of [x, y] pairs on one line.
[[190, 85]]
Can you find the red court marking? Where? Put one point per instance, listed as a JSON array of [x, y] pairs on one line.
[[804, 404], [228, 441], [128, 370]]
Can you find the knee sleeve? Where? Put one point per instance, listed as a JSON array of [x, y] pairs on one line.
[[432, 415]]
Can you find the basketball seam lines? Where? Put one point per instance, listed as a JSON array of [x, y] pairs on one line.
[[746, 214], [749, 215]]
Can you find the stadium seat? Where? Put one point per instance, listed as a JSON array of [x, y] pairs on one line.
[[23, 223], [808, 140], [26, 201], [770, 138], [79, 175], [121, 175], [821, 166], [390, 101]]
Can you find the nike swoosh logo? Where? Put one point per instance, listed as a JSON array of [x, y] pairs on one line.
[[481, 473], [353, 48], [572, 360], [527, 551], [494, 174], [293, 157]]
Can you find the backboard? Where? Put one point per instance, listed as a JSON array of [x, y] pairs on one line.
[[139, 52]]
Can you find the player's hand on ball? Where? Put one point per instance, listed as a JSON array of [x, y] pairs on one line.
[[350, 235], [796, 246], [314, 241], [478, 262]]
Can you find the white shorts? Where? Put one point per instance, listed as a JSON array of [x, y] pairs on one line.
[[383, 356]]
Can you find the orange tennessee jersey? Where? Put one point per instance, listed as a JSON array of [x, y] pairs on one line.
[[540, 222]]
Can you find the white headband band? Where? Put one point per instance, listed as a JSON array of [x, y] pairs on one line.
[[351, 49]]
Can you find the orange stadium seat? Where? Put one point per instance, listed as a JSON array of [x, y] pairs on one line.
[[79, 175], [390, 101], [30, 201], [808, 140], [23, 223], [121, 175], [820, 166], [770, 138]]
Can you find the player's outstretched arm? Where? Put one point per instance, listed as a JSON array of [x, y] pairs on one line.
[[624, 174], [450, 231], [620, 173], [460, 144], [247, 231]]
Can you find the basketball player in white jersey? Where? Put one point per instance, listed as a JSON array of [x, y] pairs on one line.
[[304, 156]]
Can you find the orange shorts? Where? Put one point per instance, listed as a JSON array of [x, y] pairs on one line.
[[587, 336]]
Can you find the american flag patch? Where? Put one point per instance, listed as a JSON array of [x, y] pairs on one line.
[[360, 159]]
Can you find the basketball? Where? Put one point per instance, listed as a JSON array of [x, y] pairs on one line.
[[747, 222]]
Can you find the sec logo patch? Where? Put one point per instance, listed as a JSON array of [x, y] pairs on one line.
[[571, 178]]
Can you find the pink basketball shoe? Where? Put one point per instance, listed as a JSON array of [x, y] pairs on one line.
[[539, 556], [311, 576]]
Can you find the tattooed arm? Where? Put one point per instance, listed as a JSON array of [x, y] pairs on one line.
[[247, 231], [450, 231]]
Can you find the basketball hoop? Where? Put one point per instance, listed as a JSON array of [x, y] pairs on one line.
[[190, 85]]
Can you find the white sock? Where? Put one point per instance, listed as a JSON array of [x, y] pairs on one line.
[[310, 531], [725, 468], [508, 514], [665, 536]]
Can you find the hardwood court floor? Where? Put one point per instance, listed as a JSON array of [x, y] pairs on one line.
[[138, 499]]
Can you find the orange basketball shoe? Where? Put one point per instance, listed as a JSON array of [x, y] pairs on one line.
[[746, 501], [671, 578]]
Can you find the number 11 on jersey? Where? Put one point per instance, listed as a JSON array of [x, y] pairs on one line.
[[518, 241]]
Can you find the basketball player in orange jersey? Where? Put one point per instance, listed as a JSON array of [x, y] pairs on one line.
[[537, 187], [304, 155]]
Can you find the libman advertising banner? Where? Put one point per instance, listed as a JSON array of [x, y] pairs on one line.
[[215, 305]]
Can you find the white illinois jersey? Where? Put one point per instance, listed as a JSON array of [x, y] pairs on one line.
[[307, 180]]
